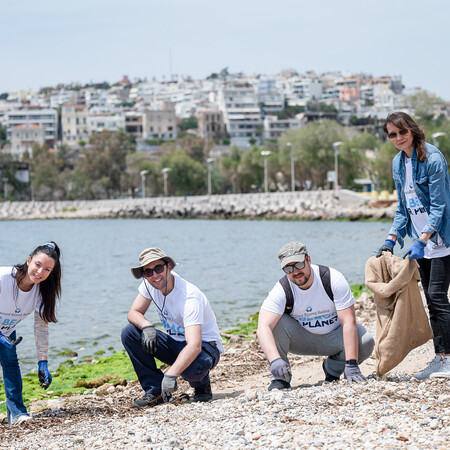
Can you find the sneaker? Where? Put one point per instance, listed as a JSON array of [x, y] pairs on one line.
[[203, 393], [433, 366], [148, 400], [328, 377], [279, 384], [444, 370], [20, 419]]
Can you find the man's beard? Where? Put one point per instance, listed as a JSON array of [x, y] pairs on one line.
[[304, 280]]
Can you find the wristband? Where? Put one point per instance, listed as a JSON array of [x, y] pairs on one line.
[[352, 362]]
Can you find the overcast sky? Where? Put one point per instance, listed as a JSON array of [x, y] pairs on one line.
[[50, 41]]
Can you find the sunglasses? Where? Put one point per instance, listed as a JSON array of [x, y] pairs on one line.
[[402, 132], [157, 269], [298, 266]]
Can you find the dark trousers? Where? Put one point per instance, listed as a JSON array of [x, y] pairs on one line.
[[167, 351], [435, 274]]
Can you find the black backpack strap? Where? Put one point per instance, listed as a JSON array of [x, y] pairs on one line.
[[289, 296], [326, 280]]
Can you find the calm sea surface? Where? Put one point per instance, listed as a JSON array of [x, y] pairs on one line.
[[233, 262]]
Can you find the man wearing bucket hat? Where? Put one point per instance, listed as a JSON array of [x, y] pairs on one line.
[[310, 311], [191, 344]]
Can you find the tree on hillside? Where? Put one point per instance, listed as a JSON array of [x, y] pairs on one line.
[[187, 176], [354, 159], [228, 169], [193, 146], [136, 162], [45, 172], [313, 150], [101, 167]]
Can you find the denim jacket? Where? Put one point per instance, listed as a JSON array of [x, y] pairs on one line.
[[432, 186]]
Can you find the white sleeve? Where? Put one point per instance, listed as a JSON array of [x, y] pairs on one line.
[[193, 310], [343, 297], [145, 291], [276, 300]]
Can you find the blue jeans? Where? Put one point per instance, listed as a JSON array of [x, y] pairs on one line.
[[167, 351], [291, 336], [435, 275], [12, 380]]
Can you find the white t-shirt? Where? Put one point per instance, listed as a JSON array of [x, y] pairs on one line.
[[419, 215], [314, 310], [186, 305], [14, 309]]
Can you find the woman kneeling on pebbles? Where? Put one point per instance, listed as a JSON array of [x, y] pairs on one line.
[[24, 288]]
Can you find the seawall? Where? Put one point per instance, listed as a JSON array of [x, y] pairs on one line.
[[308, 205]]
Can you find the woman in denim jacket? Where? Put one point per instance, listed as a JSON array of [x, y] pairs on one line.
[[423, 213]]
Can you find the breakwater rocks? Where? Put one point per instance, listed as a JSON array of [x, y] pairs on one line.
[[308, 205]]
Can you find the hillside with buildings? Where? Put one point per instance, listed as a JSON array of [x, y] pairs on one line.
[[223, 112]]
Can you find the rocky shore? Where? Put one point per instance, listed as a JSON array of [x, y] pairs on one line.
[[394, 412], [308, 205]]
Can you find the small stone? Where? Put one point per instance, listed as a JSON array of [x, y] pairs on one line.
[[434, 424], [255, 437]]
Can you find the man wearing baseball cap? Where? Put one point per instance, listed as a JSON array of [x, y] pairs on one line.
[[310, 311], [191, 344]]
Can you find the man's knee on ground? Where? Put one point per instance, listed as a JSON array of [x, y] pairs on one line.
[[366, 346], [129, 333], [198, 369]]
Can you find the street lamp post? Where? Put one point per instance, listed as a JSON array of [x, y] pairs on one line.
[[289, 144], [265, 154], [5, 188], [336, 146], [434, 136], [210, 161], [165, 172], [143, 173]]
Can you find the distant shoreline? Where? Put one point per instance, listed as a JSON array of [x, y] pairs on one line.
[[303, 205]]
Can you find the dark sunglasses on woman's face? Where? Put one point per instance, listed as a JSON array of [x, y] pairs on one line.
[[298, 266], [393, 134], [157, 269]]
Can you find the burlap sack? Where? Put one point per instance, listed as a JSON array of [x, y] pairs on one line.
[[402, 323]]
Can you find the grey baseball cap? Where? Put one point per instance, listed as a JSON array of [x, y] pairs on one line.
[[292, 252], [149, 255]]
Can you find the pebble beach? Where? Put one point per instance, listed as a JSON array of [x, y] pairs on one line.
[[395, 413]]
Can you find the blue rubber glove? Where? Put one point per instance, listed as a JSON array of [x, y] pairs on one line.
[[416, 251], [45, 378], [388, 246], [280, 369], [8, 342]]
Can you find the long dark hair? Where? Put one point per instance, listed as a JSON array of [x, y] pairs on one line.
[[50, 288], [403, 120]]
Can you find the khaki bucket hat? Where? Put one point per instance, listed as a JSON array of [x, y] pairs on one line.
[[149, 255]]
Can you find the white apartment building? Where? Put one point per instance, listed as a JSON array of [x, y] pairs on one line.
[[58, 98], [274, 127], [74, 124], [306, 89], [99, 123], [242, 115], [24, 136], [45, 117]]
